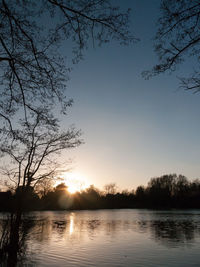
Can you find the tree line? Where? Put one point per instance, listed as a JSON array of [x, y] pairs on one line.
[[167, 191]]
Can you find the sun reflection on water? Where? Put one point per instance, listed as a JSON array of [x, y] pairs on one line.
[[71, 224]]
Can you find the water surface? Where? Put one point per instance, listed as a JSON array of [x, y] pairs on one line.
[[111, 238]]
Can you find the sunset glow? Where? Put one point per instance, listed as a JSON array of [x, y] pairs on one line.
[[74, 182]]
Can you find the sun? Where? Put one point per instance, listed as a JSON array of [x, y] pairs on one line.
[[75, 182], [72, 188]]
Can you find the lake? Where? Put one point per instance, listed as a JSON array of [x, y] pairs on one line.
[[110, 238]]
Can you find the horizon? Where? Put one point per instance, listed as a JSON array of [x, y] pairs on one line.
[[77, 185]]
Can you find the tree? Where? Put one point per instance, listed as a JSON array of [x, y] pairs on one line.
[[110, 188], [33, 151], [44, 186], [32, 70], [140, 192], [182, 186], [62, 187], [33, 73], [177, 38], [161, 189], [164, 185]]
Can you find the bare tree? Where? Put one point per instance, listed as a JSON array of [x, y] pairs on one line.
[[44, 186], [33, 151], [32, 70], [31, 154], [177, 38], [34, 75], [110, 188]]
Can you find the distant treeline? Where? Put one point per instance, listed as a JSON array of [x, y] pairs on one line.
[[167, 191]]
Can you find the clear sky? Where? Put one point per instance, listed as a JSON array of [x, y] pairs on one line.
[[133, 129]]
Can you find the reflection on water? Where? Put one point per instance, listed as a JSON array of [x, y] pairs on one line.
[[71, 225], [170, 232], [107, 238]]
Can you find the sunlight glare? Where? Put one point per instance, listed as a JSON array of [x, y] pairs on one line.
[[74, 182]]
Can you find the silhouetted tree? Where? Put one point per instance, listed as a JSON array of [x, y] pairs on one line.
[[44, 186], [13, 241], [140, 192], [161, 189], [110, 188], [182, 185], [34, 76], [177, 38], [34, 151], [91, 197], [62, 187], [32, 70]]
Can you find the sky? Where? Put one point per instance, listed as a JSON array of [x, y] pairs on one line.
[[134, 129]]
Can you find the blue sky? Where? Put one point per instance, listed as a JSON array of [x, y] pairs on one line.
[[133, 129]]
